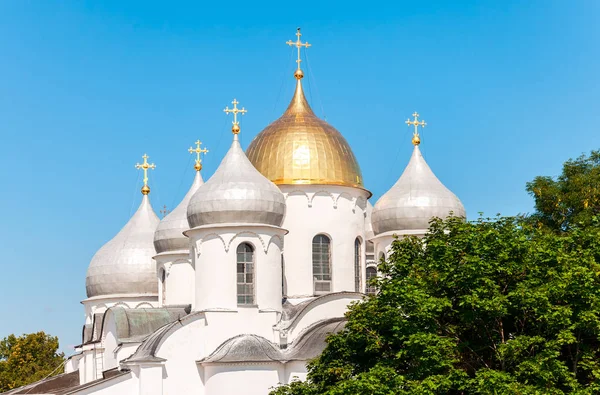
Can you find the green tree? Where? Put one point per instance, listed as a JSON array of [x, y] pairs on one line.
[[27, 359], [485, 307], [573, 197]]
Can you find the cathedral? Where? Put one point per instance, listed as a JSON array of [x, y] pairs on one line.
[[237, 288]]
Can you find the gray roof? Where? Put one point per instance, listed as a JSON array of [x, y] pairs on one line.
[[236, 193], [253, 348], [124, 265], [86, 333], [169, 233], [146, 352], [416, 197], [51, 385], [246, 348], [291, 313], [313, 341], [66, 383], [135, 325], [93, 331], [107, 375]]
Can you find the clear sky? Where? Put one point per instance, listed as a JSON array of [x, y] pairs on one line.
[[509, 90]]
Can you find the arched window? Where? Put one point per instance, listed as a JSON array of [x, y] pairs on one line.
[[357, 270], [370, 251], [382, 256], [321, 257], [371, 273], [245, 274], [163, 285]]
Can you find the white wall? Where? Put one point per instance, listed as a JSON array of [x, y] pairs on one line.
[[383, 242], [329, 306], [73, 363], [126, 384], [179, 280], [214, 254], [183, 346], [151, 379], [336, 211], [198, 336], [295, 370], [247, 379], [383, 245]]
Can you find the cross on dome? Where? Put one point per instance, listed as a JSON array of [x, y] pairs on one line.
[[164, 211], [299, 44], [145, 166], [416, 139], [198, 151], [236, 125]]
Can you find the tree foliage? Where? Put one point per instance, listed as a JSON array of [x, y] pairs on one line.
[[486, 307], [573, 197], [27, 359]]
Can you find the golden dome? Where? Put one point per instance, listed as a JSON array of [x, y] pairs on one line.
[[300, 148]]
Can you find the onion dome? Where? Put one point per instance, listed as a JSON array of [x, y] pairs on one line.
[[169, 233], [237, 192], [124, 265], [300, 148], [416, 197]]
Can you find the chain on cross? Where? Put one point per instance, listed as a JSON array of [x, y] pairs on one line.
[[299, 44], [198, 151], [235, 111], [416, 139], [145, 166]]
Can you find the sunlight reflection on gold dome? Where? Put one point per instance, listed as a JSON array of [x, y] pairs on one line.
[[300, 148]]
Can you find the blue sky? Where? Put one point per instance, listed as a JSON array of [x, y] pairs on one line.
[[509, 91]]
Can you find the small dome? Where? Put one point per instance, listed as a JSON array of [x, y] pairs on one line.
[[416, 197], [236, 193], [299, 148], [169, 234], [124, 265]]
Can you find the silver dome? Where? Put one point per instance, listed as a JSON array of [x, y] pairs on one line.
[[124, 265], [416, 197], [236, 193], [169, 234]]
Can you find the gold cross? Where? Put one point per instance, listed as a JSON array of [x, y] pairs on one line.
[[164, 211], [299, 44], [416, 139], [145, 166], [236, 125], [198, 151]]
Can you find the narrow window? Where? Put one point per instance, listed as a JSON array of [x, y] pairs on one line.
[[245, 274], [370, 251], [357, 270], [163, 283], [371, 273], [321, 257]]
